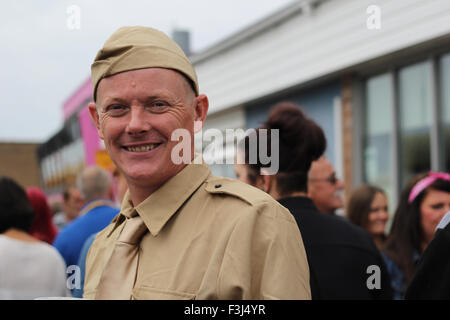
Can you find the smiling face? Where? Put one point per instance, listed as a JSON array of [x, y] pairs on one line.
[[378, 215], [136, 113], [434, 206]]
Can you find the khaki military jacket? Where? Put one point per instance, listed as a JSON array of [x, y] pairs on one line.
[[209, 238]]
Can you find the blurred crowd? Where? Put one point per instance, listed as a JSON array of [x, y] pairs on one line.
[[40, 239]]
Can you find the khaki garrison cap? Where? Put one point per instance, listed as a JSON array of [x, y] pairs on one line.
[[131, 48]]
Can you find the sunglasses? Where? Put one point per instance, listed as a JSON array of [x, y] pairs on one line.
[[331, 179]]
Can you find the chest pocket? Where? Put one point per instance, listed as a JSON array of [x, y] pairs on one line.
[[149, 293]]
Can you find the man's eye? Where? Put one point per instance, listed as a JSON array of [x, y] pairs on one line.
[[158, 106], [116, 110]]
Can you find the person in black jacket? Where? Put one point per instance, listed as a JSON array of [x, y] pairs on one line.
[[343, 260], [432, 277]]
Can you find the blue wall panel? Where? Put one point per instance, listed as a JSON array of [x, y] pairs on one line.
[[317, 103]]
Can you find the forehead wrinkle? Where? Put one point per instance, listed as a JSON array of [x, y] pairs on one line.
[[180, 81], [157, 94]]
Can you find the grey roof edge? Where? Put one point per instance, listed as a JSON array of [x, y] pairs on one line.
[[279, 16]]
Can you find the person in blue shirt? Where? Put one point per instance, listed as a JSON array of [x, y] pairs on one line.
[[121, 188], [96, 187]]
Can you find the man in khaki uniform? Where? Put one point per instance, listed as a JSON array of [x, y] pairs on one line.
[[181, 233]]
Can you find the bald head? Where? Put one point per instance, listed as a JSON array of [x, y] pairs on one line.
[[94, 183]]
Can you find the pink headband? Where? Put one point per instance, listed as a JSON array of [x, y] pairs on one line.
[[425, 182]]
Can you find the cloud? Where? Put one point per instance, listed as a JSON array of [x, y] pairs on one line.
[[43, 61]]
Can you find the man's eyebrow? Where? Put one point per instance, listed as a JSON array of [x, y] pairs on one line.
[[152, 97], [158, 95], [110, 100]]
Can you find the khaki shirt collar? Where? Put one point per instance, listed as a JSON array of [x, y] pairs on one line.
[[162, 204]]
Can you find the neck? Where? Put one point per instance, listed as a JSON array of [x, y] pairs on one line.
[[298, 194], [69, 218], [294, 194], [424, 245], [139, 194], [19, 235], [140, 191], [324, 210]]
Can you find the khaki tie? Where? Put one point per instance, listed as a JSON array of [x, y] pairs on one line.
[[119, 275]]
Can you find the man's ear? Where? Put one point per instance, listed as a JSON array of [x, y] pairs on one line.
[[111, 195], [201, 109], [270, 184], [267, 183], [259, 182], [94, 115]]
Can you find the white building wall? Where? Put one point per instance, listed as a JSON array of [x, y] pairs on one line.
[[231, 119], [217, 140], [333, 37]]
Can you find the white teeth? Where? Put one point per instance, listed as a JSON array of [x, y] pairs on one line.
[[141, 148]]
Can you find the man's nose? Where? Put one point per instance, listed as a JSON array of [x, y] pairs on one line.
[[138, 123]]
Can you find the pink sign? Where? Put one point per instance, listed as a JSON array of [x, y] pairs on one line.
[[89, 135], [83, 93]]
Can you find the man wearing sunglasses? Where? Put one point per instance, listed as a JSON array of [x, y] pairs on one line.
[[324, 188]]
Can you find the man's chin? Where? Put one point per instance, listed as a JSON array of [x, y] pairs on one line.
[[141, 176], [150, 175]]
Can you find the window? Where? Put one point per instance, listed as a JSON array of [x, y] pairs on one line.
[[378, 169], [414, 86], [400, 117], [445, 111]]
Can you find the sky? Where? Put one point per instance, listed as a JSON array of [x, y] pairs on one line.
[[46, 53]]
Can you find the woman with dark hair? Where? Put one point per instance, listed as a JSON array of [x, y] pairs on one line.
[[368, 208], [17, 215], [338, 252], [423, 203], [43, 227], [29, 268]]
